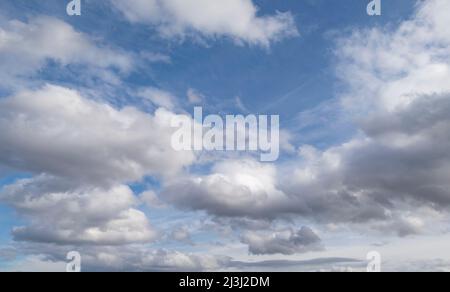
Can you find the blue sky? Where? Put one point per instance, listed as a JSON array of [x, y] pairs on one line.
[[76, 142], [220, 69]]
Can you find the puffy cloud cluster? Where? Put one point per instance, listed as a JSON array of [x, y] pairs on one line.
[[235, 188], [63, 213], [393, 176], [387, 70], [56, 131], [236, 19], [78, 154], [82, 152], [399, 96]]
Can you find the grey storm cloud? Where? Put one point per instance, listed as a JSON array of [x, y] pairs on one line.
[[364, 180], [285, 242], [403, 158]]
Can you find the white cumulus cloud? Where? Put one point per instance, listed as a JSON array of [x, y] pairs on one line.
[[57, 131], [236, 19]]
